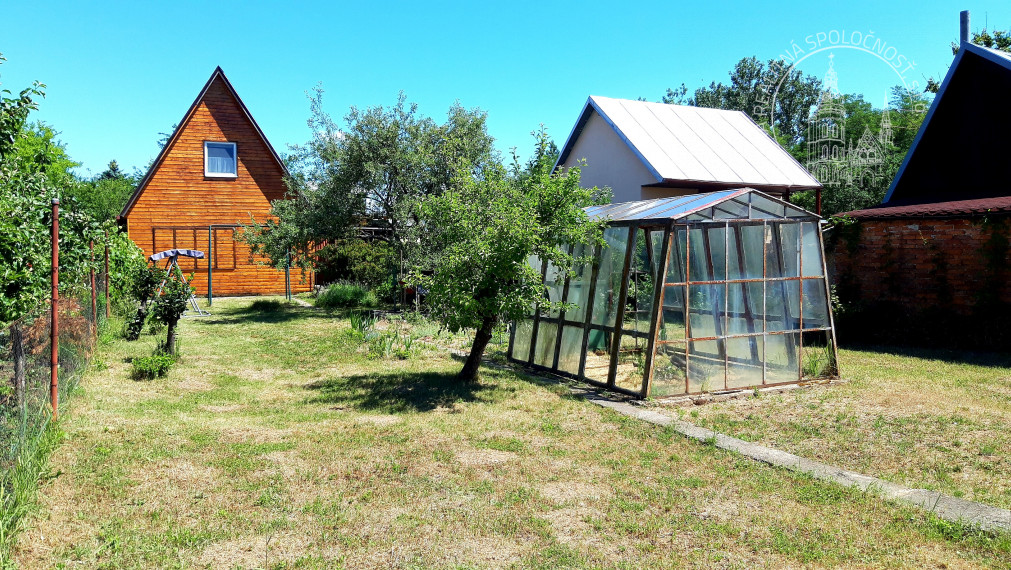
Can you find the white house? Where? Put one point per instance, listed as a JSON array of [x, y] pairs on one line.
[[647, 150]]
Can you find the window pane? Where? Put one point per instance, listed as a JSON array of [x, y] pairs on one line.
[[744, 361], [631, 363], [705, 304], [547, 335], [782, 305], [608, 287], [579, 286], [572, 343], [676, 262], [744, 308], [639, 302], [668, 370], [521, 340], [672, 319], [746, 254], [220, 158], [811, 249], [598, 360], [819, 357], [554, 283], [705, 366], [815, 304], [781, 359]]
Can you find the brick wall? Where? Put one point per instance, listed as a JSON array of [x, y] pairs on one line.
[[922, 280]]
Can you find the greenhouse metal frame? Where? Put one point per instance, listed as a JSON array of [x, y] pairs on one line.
[[744, 301]]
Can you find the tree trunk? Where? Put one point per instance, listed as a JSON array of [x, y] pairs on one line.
[[18, 356], [170, 342], [481, 339]]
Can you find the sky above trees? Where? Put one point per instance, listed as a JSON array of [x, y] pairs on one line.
[[120, 73]]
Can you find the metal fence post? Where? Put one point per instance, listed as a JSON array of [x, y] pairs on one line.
[[108, 301], [54, 309], [210, 265], [94, 295]]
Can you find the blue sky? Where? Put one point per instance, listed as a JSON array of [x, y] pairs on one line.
[[118, 73]]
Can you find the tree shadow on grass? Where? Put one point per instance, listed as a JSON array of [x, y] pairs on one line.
[[263, 311], [951, 356], [402, 392]]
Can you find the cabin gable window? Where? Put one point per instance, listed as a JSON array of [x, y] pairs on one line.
[[220, 160]]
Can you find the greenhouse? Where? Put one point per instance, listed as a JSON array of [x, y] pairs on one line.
[[744, 301]]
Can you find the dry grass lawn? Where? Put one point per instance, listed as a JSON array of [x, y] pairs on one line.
[[277, 442], [927, 419]]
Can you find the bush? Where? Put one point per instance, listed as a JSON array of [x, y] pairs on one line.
[[340, 295], [151, 367], [368, 262]]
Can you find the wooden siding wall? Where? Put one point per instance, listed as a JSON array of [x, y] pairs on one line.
[[179, 203]]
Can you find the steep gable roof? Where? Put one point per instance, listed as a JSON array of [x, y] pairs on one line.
[[961, 150], [696, 145], [218, 74]]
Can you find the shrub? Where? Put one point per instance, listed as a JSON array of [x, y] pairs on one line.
[[151, 367], [368, 262], [343, 294]]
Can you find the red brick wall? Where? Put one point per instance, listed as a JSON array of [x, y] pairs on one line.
[[949, 269]]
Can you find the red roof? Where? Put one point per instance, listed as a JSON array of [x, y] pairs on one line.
[[952, 209]]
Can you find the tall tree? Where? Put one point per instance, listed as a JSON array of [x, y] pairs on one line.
[[485, 228], [998, 40], [376, 171], [105, 194], [772, 94]]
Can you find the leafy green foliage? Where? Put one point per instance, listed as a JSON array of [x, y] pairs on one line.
[[486, 228], [370, 262], [170, 306], [105, 195], [374, 171], [144, 282], [753, 88], [998, 40], [150, 367], [346, 294]]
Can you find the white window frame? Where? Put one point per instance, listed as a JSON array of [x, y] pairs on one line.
[[235, 153]]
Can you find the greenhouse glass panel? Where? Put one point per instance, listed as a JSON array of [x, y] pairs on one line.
[[579, 286], [669, 370], [571, 350], [676, 258], [735, 293], [745, 356], [521, 340], [554, 282], [544, 354], [782, 305], [811, 248], [706, 366], [818, 355], [608, 286], [815, 304], [782, 358], [705, 309]]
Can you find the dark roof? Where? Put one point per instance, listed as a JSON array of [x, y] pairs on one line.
[[696, 146], [218, 72], [951, 209], [961, 150]]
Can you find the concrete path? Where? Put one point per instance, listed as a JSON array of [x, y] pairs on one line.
[[944, 506]]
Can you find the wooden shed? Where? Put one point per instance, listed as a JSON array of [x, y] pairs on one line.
[[217, 171]]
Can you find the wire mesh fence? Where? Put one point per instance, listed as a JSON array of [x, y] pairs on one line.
[[26, 367]]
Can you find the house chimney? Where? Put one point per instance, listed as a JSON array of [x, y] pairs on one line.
[[963, 36]]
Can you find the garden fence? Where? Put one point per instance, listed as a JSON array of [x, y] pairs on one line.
[[25, 366]]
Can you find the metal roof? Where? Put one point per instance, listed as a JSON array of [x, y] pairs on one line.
[[696, 145], [740, 203]]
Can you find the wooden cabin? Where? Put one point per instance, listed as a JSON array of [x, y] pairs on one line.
[[217, 171]]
